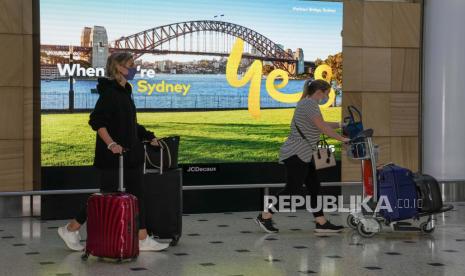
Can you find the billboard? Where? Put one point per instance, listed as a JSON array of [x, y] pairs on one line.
[[223, 75]]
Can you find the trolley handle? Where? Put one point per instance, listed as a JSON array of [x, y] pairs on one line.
[[367, 133]]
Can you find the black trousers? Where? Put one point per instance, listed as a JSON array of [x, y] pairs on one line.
[[133, 183], [299, 172]]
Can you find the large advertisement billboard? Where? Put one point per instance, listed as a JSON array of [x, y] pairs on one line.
[[223, 75]]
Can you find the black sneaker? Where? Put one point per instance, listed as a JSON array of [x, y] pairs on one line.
[[266, 224], [328, 227]]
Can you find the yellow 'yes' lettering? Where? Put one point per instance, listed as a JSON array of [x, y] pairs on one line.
[[324, 68], [254, 76]]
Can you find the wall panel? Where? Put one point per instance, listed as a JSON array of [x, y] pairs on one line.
[[19, 96], [381, 76]]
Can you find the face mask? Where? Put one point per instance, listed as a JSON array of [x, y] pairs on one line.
[[131, 73], [323, 101]]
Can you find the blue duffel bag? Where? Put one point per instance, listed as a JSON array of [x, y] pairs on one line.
[[352, 128], [397, 184]]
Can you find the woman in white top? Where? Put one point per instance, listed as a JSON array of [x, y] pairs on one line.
[[297, 153]]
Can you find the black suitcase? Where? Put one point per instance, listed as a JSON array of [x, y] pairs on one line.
[[429, 193], [163, 201]]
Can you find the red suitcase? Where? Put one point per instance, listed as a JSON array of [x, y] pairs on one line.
[[112, 224]]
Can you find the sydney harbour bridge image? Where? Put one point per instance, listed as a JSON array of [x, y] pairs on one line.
[[198, 38]]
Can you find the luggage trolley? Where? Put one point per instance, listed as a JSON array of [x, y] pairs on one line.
[[368, 223]]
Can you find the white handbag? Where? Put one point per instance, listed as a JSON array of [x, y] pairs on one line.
[[322, 155]]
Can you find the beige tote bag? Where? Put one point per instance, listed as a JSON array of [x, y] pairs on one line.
[[322, 156]]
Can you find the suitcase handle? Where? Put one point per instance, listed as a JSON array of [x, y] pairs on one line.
[[121, 174]]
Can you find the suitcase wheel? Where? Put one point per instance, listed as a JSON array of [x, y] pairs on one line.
[[426, 228], [174, 241], [85, 256]]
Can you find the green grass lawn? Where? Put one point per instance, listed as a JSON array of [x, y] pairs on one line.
[[206, 137]]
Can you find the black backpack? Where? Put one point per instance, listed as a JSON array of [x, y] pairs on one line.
[[429, 193]]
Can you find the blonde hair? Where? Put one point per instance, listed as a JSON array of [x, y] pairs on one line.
[[116, 59]]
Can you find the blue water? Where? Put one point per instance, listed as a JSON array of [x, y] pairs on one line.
[[206, 91]]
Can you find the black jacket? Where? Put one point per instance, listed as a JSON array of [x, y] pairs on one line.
[[115, 110]]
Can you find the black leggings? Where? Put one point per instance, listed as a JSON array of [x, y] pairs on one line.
[[297, 173], [133, 183]]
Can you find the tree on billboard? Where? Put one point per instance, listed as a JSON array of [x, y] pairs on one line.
[[335, 62]]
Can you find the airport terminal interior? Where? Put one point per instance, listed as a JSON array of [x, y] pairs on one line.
[[152, 137], [232, 244]]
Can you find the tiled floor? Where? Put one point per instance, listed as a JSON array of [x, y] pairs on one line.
[[231, 244]]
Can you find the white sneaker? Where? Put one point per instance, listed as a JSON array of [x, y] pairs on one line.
[[71, 239], [149, 244]]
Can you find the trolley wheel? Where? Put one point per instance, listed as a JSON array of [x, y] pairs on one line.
[[363, 232], [424, 228], [85, 256], [351, 222]]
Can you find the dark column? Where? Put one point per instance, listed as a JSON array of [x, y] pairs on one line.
[[71, 84]]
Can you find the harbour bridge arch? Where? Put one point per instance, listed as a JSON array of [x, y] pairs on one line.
[[148, 41]]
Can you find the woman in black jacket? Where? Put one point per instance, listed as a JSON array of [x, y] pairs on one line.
[[114, 118]]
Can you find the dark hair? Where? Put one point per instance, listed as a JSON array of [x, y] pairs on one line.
[[311, 86]]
